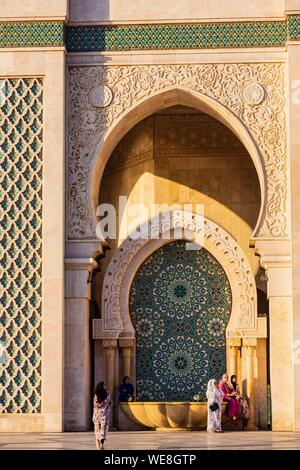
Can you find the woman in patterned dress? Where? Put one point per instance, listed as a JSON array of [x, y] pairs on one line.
[[245, 411], [214, 395], [101, 414]]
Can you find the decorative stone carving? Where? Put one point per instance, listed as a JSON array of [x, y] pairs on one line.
[[232, 259], [101, 96], [232, 85], [253, 93]]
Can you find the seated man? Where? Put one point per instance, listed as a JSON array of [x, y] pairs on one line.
[[126, 390]]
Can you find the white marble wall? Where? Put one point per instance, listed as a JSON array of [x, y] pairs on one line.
[[50, 65], [168, 10], [33, 9]]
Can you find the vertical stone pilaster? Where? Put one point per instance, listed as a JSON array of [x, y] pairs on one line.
[[78, 345], [234, 351], [126, 346], [276, 260], [293, 54], [110, 348], [249, 384]]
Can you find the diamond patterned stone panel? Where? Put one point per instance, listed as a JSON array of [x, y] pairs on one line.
[[21, 136], [180, 304]]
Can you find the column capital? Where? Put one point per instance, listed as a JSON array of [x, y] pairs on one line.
[[126, 343], [250, 342], [272, 246], [273, 253], [234, 342], [276, 260], [80, 263], [110, 343]]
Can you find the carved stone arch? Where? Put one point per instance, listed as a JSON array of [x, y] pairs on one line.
[[247, 98], [132, 253], [162, 100]]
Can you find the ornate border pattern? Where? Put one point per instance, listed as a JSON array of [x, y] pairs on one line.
[[253, 93], [150, 36], [32, 34], [176, 36]]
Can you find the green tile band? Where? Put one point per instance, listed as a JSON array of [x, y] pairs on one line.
[[182, 36], [149, 36], [294, 28], [32, 34], [175, 36]]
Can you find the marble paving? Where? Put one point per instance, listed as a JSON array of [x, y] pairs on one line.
[[148, 440]]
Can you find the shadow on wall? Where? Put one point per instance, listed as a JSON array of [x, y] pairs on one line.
[[79, 350]]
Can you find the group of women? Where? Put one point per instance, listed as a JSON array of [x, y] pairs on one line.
[[225, 391]]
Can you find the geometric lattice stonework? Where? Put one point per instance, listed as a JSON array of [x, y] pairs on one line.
[[180, 304], [21, 122]]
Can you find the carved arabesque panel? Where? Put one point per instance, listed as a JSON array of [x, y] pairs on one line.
[[101, 94]]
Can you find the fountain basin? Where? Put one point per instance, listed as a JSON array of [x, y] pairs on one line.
[[169, 416]]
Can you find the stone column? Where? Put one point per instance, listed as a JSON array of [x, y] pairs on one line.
[[77, 401], [110, 347], [281, 367], [126, 346], [250, 386], [234, 348], [240, 368], [276, 260], [261, 354]]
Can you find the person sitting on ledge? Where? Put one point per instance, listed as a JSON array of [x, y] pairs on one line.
[[126, 390], [230, 396], [244, 407]]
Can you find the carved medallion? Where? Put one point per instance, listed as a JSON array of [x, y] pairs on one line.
[[101, 96], [253, 93]]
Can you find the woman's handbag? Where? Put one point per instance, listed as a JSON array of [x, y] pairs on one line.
[[214, 406]]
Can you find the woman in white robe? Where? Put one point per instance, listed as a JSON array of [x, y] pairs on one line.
[[214, 395]]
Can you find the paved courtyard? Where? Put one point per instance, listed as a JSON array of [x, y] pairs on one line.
[[260, 440]]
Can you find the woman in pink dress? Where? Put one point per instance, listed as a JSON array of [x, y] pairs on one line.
[[230, 396]]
